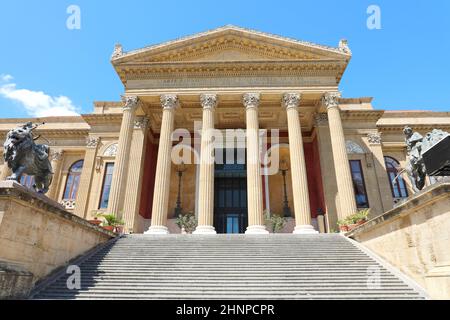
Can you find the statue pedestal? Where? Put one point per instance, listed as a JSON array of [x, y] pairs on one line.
[[437, 158]]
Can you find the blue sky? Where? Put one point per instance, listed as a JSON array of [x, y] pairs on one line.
[[47, 68]]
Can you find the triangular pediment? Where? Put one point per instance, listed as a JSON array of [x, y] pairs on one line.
[[232, 43]]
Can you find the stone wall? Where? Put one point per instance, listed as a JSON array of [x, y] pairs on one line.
[[38, 236], [415, 237]]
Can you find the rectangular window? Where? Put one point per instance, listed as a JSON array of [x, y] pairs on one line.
[[106, 187], [359, 184]]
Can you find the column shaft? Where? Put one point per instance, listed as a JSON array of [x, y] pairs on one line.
[[134, 176], [56, 161], [298, 166], [163, 167], [116, 196], [254, 181], [344, 180], [206, 176]]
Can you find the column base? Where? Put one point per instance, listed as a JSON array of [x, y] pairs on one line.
[[157, 230], [256, 230], [204, 230], [305, 229]]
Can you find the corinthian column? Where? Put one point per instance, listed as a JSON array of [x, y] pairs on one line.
[[341, 164], [206, 177], [56, 160], [169, 103], [298, 167], [254, 182], [116, 194]]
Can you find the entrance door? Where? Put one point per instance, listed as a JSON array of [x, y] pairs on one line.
[[230, 193], [230, 204]]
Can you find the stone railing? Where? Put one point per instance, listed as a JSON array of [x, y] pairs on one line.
[[415, 238], [68, 204], [37, 236]]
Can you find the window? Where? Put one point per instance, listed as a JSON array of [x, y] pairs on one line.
[[398, 187], [73, 181], [359, 184], [106, 187], [27, 181]]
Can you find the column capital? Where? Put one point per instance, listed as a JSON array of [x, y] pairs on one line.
[[331, 99], [130, 102], [56, 155], [92, 142], [141, 123], [291, 100], [169, 101], [251, 100], [208, 100]]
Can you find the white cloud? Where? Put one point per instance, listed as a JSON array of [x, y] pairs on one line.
[[37, 103]]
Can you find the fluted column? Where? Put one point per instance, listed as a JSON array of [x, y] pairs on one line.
[[169, 103], [298, 166], [56, 160], [85, 186], [135, 173], [341, 164], [206, 177], [254, 181], [115, 202]]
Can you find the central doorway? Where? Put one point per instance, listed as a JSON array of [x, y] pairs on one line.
[[230, 192]]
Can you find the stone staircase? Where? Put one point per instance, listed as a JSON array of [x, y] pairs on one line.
[[277, 266]]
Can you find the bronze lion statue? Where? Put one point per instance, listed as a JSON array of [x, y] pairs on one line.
[[24, 156]]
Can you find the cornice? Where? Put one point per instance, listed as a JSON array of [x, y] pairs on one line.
[[362, 115], [108, 118]]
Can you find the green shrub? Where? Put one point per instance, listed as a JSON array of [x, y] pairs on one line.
[[187, 221], [354, 218], [275, 222]]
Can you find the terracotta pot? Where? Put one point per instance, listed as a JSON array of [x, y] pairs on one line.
[[119, 229], [343, 228], [109, 228], [95, 221], [361, 222]]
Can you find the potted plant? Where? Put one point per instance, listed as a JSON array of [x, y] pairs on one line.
[[275, 222], [110, 222], [186, 222], [96, 221], [353, 221]]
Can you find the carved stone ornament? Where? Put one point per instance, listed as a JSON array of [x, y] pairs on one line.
[[169, 101], [111, 151], [374, 138], [331, 99], [130, 102], [208, 101], [141, 123], [353, 147], [251, 100], [343, 46], [118, 51], [92, 142], [321, 119], [291, 100]]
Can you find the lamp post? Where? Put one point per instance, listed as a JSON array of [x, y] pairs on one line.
[[284, 168], [180, 169]]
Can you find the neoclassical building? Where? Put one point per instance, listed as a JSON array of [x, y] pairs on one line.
[[297, 148]]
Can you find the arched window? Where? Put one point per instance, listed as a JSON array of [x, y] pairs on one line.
[[398, 187], [73, 180]]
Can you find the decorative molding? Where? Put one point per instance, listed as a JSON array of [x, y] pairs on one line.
[[353, 148], [169, 101], [141, 123], [118, 51], [374, 138], [208, 101], [320, 119], [331, 99], [92, 142], [251, 100], [130, 102], [68, 204], [291, 100]]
